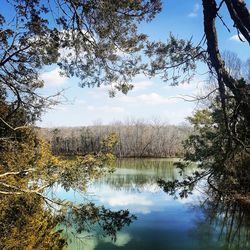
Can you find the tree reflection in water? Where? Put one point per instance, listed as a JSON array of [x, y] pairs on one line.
[[27, 222], [139, 174], [225, 223], [30, 216]]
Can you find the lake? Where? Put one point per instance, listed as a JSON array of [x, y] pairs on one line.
[[163, 221]]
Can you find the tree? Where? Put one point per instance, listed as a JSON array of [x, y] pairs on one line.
[[91, 49], [229, 112], [227, 217], [183, 55], [96, 41], [32, 226], [224, 164]]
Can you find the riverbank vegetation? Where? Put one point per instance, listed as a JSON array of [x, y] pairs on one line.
[[220, 144], [85, 39], [136, 138]]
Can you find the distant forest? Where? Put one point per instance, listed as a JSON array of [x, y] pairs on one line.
[[135, 139]]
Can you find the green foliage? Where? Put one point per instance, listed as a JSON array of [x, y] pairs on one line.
[[25, 224], [106, 222], [96, 41], [174, 60], [27, 169], [200, 118], [109, 142], [29, 215], [222, 158]]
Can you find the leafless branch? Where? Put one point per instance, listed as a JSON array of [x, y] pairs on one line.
[[9, 126]]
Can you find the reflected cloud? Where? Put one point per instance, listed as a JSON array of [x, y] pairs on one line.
[[88, 242], [133, 186], [128, 199], [121, 240], [140, 203]]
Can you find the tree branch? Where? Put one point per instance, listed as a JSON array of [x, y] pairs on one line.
[[9, 126], [18, 172], [240, 15]]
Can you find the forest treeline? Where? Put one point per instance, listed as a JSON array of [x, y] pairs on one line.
[[135, 139]]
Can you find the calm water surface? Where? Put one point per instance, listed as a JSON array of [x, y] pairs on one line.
[[163, 222]]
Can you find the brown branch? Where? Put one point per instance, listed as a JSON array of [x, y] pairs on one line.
[[209, 181], [20, 191], [221, 3], [13, 54], [9, 126], [18, 172], [210, 13], [240, 15], [243, 12], [223, 22], [195, 98], [217, 63], [10, 193]]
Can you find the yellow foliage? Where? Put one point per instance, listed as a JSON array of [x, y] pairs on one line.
[[25, 224]]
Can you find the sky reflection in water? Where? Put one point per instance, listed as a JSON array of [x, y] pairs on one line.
[[162, 221]]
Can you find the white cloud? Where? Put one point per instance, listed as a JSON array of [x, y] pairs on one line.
[[191, 88], [150, 99], [121, 53], [195, 10], [53, 78], [105, 109], [60, 108], [187, 85], [179, 114], [154, 98], [237, 39], [100, 92], [79, 102], [140, 85]]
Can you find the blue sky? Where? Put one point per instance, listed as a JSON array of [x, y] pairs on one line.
[[150, 98]]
